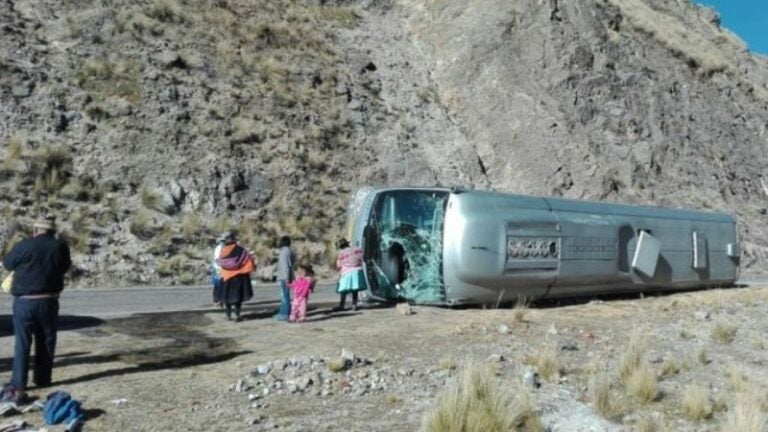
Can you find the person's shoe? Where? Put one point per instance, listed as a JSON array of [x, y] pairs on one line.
[[281, 317], [13, 395], [238, 319], [354, 308]]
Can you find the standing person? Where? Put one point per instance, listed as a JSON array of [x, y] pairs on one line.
[[236, 265], [216, 273], [301, 287], [39, 264], [285, 263], [350, 264]]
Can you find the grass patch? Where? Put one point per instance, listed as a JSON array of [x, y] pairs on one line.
[[14, 150], [172, 266], [448, 364], [696, 404], [103, 78], [477, 402], [140, 226], [633, 355], [604, 401], [152, 200], [521, 309], [747, 415], [668, 368], [546, 363], [709, 56], [736, 379], [724, 333], [643, 385]]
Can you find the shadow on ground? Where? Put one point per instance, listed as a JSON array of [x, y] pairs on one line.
[[185, 344], [66, 322]]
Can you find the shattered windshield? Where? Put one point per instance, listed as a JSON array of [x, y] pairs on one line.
[[409, 230]]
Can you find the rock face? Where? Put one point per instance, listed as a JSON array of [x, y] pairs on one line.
[[150, 128]]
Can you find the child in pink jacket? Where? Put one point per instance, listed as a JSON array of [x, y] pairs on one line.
[[301, 287]]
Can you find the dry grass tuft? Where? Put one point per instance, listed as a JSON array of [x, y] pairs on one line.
[[696, 403], [736, 379], [604, 401], [521, 309], [724, 333], [709, 56], [647, 424], [545, 361], [633, 355], [668, 368], [448, 364], [171, 267], [643, 385], [748, 414], [478, 403]]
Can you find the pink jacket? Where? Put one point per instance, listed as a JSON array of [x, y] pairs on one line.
[[302, 287], [350, 259]]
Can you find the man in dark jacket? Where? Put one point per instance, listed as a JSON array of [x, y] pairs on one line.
[[39, 264]]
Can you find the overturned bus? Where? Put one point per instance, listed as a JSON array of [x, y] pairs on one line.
[[454, 246]]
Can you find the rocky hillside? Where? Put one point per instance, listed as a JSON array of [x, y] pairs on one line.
[[150, 126]]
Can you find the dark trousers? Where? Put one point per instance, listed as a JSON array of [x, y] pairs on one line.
[[36, 318], [343, 300]]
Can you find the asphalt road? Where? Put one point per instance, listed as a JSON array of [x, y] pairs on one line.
[[110, 303]]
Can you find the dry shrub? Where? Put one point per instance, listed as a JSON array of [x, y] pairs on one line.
[[545, 361], [521, 309], [604, 400], [647, 424], [643, 385], [14, 150], [191, 226], [723, 332], [478, 403], [748, 414], [668, 368], [737, 379], [709, 56], [448, 364], [696, 404], [633, 355], [171, 266]]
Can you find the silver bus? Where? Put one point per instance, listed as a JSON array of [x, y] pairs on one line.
[[455, 246]]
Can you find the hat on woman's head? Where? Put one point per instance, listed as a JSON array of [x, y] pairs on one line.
[[45, 223], [229, 237], [342, 243]]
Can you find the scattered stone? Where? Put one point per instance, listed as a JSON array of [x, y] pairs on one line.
[[552, 329], [303, 383], [253, 396], [263, 368], [568, 346], [702, 314], [503, 329], [241, 386], [404, 309], [22, 90], [348, 355], [531, 379], [496, 358]]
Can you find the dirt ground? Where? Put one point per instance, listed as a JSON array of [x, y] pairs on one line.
[[176, 372]]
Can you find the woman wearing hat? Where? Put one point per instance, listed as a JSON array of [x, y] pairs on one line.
[[350, 265], [236, 264]]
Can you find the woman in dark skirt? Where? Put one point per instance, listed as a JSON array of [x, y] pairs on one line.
[[236, 265]]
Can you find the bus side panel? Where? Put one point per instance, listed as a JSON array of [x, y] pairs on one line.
[[478, 231]]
